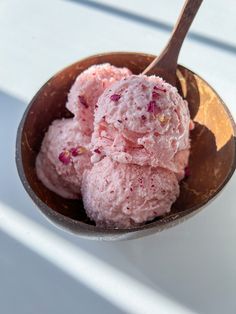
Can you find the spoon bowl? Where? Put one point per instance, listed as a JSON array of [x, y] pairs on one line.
[[212, 158]]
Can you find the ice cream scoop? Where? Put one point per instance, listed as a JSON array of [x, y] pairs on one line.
[[117, 195], [88, 86], [142, 120], [63, 157]]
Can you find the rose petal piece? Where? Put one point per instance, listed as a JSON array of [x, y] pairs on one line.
[[97, 150], [151, 106], [65, 157], [76, 151], [159, 88], [115, 97], [83, 101], [143, 117], [155, 95]]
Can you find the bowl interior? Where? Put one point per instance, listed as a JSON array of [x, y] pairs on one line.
[[212, 157]]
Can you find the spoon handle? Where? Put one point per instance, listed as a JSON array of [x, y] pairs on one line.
[[167, 60]]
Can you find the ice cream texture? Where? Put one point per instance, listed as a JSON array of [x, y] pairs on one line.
[[142, 120], [122, 195], [63, 157], [88, 86], [125, 150]]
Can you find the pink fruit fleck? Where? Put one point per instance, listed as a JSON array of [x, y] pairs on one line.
[[115, 97], [83, 101], [151, 106], [65, 157]]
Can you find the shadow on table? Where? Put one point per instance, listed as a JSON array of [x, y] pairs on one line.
[[154, 23], [193, 263], [11, 111]]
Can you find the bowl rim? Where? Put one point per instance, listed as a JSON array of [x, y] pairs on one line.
[[90, 231]]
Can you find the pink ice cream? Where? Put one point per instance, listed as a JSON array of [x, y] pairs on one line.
[[142, 120], [135, 130], [89, 85], [63, 158], [119, 195]]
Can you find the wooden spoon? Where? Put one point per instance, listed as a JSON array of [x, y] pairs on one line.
[[165, 64]]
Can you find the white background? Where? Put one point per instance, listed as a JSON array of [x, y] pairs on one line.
[[192, 265]]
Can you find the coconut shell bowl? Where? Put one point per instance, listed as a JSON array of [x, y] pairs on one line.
[[212, 157]]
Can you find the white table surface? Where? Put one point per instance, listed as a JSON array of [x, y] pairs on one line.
[[189, 268]]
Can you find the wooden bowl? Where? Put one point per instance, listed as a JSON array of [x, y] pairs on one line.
[[212, 158]]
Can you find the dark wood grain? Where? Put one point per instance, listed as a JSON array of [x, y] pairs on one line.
[[165, 64]]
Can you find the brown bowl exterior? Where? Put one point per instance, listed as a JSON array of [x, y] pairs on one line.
[[212, 157]]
